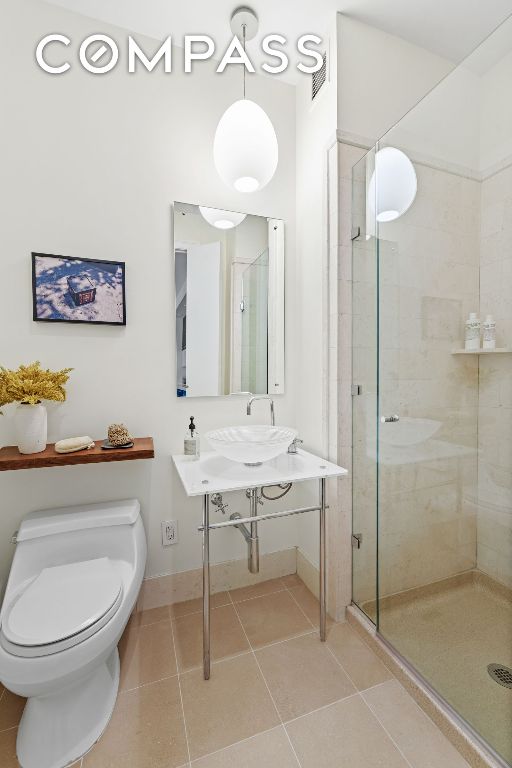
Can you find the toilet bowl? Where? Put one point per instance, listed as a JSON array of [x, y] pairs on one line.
[[74, 580]]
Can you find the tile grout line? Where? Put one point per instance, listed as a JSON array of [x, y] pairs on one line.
[[10, 728], [367, 644], [268, 689], [215, 662], [181, 693], [416, 706], [319, 709], [214, 608], [301, 609], [390, 737], [338, 662], [235, 744]]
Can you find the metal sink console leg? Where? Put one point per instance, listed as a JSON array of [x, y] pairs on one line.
[[237, 521]]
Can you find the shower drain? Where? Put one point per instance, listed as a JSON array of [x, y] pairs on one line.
[[501, 674]]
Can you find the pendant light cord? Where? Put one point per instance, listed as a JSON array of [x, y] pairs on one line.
[[244, 27]]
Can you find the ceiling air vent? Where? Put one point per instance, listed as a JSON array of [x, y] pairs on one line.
[[318, 78]]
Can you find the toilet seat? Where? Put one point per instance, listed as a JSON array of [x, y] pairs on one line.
[[61, 607]]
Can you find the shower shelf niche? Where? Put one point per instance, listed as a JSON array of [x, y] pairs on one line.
[[497, 351]]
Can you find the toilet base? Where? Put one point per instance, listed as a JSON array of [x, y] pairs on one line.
[[57, 730]]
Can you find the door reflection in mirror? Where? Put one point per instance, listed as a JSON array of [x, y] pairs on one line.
[[229, 284]]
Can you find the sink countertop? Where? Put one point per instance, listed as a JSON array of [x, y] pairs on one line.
[[213, 473]]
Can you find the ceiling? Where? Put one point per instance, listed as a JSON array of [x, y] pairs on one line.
[[449, 28]]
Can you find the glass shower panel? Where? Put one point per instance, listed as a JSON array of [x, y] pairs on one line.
[[364, 391], [445, 416], [254, 308]]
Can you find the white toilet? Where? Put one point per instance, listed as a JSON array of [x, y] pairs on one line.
[[73, 584]]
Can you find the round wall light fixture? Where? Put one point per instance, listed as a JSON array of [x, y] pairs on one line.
[[221, 219], [393, 185]]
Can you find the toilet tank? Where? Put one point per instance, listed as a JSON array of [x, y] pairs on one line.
[[70, 534]]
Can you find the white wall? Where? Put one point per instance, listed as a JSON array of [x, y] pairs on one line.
[[316, 130], [380, 78], [92, 166], [496, 114]]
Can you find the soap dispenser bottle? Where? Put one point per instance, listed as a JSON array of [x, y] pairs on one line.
[[472, 333], [191, 446]]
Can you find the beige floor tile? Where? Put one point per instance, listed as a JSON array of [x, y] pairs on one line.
[[257, 590], [309, 604], [8, 757], [11, 709], [413, 732], [146, 730], [227, 637], [147, 655], [149, 616], [302, 675], [196, 606], [233, 705], [359, 662], [343, 735], [272, 618], [267, 750], [292, 580]]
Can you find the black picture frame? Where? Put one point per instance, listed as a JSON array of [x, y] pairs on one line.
[[76, 299]]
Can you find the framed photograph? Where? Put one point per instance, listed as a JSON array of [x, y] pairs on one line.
[[70, 290]]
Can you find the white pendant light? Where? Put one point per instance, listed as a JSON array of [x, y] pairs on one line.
[[393, 185], [221, 219], [245, 148]]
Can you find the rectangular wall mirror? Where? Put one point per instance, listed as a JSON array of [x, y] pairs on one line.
[[229, 277]]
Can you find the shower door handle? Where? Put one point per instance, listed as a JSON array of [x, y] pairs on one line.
[[389, 419]]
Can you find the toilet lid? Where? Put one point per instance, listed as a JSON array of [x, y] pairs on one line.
[[62, 601]]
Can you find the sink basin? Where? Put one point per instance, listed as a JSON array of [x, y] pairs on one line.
[[408, 431], [251, 445]]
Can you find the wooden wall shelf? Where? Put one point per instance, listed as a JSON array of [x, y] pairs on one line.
[[11, 458]]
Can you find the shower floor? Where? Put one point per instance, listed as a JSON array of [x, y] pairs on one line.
[[450, 632]]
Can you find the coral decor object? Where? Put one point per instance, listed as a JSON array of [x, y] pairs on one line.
[[118, 435]]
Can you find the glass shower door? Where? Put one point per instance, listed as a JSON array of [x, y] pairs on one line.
[[439, 604]]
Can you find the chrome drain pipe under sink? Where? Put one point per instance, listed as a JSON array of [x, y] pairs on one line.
[[251, 534]]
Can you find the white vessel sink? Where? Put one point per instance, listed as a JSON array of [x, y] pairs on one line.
[[251, 445], [408, 431]]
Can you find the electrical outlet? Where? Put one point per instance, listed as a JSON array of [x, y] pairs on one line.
[[169, 532]]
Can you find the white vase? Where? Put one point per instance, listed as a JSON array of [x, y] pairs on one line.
[[31, 427]]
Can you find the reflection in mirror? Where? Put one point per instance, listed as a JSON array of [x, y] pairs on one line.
[[229, 276]]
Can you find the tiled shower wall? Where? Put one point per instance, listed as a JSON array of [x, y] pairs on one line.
[[449, 255], [495, 406], [429, 281]]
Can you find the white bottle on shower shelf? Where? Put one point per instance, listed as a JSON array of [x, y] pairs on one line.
[[489, 329], [472, 333]]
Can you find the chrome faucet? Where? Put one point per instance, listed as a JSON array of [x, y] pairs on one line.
[[263, 397], [292, 448]]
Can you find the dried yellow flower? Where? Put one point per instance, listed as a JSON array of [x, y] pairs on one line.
[[31, 384]]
